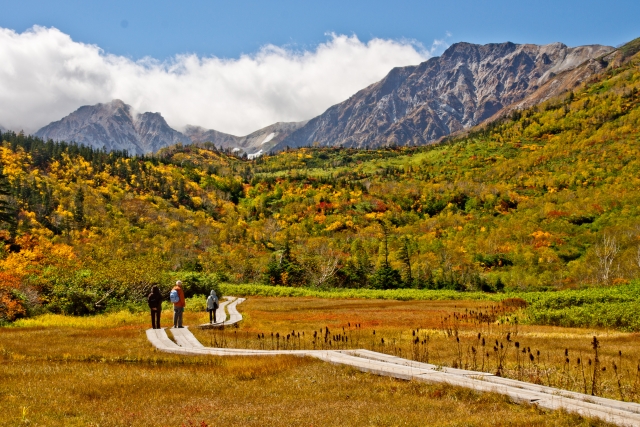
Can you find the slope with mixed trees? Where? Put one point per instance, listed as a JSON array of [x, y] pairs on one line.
[[544, 199]]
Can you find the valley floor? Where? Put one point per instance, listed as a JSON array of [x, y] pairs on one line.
[[106, 373]]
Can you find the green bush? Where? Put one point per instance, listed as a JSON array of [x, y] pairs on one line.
[[195, 283], [390, 294], [612, 307], [617, 315], [196, 304]]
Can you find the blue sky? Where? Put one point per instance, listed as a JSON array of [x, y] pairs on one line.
[[237, 66], [161, 28]]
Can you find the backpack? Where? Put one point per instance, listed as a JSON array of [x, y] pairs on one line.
[[153, 301], [174, 296], [212, 304]]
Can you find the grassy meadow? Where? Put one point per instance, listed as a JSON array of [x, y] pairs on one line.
[[612, 307], [102, 371], [477, 335]]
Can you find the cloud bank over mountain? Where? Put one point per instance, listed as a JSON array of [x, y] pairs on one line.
[[46, 75]]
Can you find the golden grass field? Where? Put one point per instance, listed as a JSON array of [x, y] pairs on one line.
[[446, 333], [102, 371]]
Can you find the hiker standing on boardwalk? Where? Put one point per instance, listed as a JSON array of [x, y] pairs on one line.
[[177, 298], [155, 304], [212, 306]]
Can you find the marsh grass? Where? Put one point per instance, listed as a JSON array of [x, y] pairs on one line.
[[474, 335], [105, 373], [100, 321], [613, 307], [133, 316], [113, 378]]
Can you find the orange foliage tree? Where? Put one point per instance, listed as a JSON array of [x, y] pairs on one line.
[[11, 305]]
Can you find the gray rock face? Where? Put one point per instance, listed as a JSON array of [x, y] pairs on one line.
[[417, 105], [114, 126], [567, 80], [254, 144], [413, 105]]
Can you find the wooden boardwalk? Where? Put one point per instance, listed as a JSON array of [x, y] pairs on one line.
[[221, 315], [614, 411]]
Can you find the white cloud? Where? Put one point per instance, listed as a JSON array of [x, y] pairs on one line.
[[44, 75]]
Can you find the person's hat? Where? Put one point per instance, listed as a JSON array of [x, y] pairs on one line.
[[179, 283]]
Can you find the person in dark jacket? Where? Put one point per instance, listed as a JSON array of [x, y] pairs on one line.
[[155, 304]]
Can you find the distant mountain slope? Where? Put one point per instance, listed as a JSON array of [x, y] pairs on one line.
[[254, 144], [418, 104], [413, 105], [569, 79], [114, 126]]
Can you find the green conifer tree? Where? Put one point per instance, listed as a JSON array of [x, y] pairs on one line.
[[78, 209], [8, 211], [404, 255]]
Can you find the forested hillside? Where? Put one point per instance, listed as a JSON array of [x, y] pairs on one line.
[[546, 199]]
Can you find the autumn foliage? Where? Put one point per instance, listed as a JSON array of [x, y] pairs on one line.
[[11, 306], [544, 199]]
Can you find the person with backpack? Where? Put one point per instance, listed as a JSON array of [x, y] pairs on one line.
[[212, 306], [177, 298], [155, 305]]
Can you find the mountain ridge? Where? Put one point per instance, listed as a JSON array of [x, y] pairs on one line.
[[254, 144], [117, 126], [114, 126], [413, 105], [416, 105]]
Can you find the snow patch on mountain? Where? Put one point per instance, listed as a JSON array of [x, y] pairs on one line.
[[268, 138], [255, 155]]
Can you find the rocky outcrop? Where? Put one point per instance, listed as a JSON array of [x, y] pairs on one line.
[[571, 78], [465, 86], [114, 126]]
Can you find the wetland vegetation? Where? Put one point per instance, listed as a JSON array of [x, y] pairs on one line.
[[101, 370]]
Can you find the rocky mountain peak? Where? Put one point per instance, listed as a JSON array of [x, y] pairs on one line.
[[114, 126], [416, 105]]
